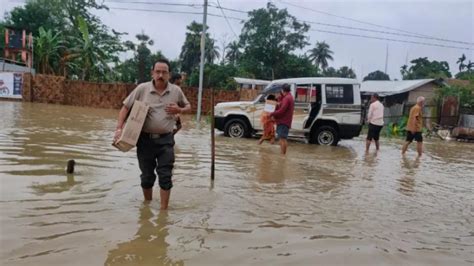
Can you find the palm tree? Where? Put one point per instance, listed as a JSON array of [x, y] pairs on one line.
[[346, 72], [47, 47], [404, 71], [234, 53], [320, 54], [469, 65], [212, 51], [191, 49], [461, 62]]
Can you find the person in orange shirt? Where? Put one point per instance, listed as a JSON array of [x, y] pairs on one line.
[[414, 126], [268, 124]]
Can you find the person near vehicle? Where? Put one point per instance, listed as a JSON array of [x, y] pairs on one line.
[[176, 79], [284, 116], [414, 126], [155, 147], [375, 121], [268, 124]]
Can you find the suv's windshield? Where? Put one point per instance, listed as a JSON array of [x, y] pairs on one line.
[[272, 88]]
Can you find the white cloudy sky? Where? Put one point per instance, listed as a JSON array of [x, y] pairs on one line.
[[449, 19]]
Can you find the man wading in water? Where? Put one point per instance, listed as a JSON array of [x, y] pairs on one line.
[[155, 147]]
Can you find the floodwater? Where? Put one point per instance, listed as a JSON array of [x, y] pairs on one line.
[[317, 205]]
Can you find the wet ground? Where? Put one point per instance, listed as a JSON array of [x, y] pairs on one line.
[[317, 205]]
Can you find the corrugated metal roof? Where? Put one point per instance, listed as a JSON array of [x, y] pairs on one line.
[[389, 87]]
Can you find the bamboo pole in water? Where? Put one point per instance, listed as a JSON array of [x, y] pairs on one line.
[[213, 147]]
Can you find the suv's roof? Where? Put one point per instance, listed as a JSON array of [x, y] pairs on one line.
[[317, 80]]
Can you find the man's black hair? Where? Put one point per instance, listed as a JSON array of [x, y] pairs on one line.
[[162, 60], [286, 87], [271, 97], [175, 77]]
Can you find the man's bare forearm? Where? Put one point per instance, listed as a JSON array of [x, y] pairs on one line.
[[121, 118]]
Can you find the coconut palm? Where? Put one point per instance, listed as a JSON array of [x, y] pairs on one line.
[[470, 65], [234, 53], [461, 62], [191, 50], [320, 54]]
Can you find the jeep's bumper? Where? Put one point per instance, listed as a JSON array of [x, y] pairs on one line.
[[219, 122]]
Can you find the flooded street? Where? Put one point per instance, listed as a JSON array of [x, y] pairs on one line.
[[318, 205]]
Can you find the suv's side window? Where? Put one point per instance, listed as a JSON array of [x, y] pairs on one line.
[[303, 93], [343, 93]]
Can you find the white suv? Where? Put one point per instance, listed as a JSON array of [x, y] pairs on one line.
[[326, 110]]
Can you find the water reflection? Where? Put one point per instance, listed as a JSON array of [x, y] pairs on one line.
[[271, 166], [49, 218], [149, 246], [409, 170], [55, 187]]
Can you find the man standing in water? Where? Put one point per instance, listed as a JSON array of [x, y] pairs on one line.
[[155, 147], [375, 120], [414, 126], [284, 116]]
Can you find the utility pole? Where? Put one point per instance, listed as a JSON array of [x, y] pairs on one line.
[[201, 67], [386, 60]]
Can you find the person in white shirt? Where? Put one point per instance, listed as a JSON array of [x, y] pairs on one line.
[[375, 120]]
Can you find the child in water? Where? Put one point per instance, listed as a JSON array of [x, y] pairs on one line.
[[268, 124]]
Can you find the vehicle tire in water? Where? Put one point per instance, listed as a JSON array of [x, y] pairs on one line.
[[236, 128], [325, 135]]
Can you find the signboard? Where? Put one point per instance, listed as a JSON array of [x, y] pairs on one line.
[[10, 85]]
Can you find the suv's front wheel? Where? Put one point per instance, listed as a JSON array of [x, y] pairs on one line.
[[236, 128], [325, 135]]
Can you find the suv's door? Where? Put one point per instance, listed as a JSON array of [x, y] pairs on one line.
[[339, 103], [302, 96]]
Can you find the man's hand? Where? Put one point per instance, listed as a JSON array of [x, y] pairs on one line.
[[172, 109], [118, 133]]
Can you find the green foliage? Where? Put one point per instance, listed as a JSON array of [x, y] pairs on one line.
[[464, 93], [217, 76], [47, 47], [396, 129], [343, 72], [87, 47], [465, 75], [191, 50], [2, 37], [423, 68], [320, 54], [300, 66], [267, 39], [377, 75], [234, 53]]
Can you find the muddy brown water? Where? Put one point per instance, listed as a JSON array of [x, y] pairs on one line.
[[317, 205]]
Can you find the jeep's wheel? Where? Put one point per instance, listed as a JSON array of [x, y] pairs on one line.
[[236, 128], [325, 135]]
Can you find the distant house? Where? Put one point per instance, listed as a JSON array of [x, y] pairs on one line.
[[399, 96], [403, 91], [255, 84]]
